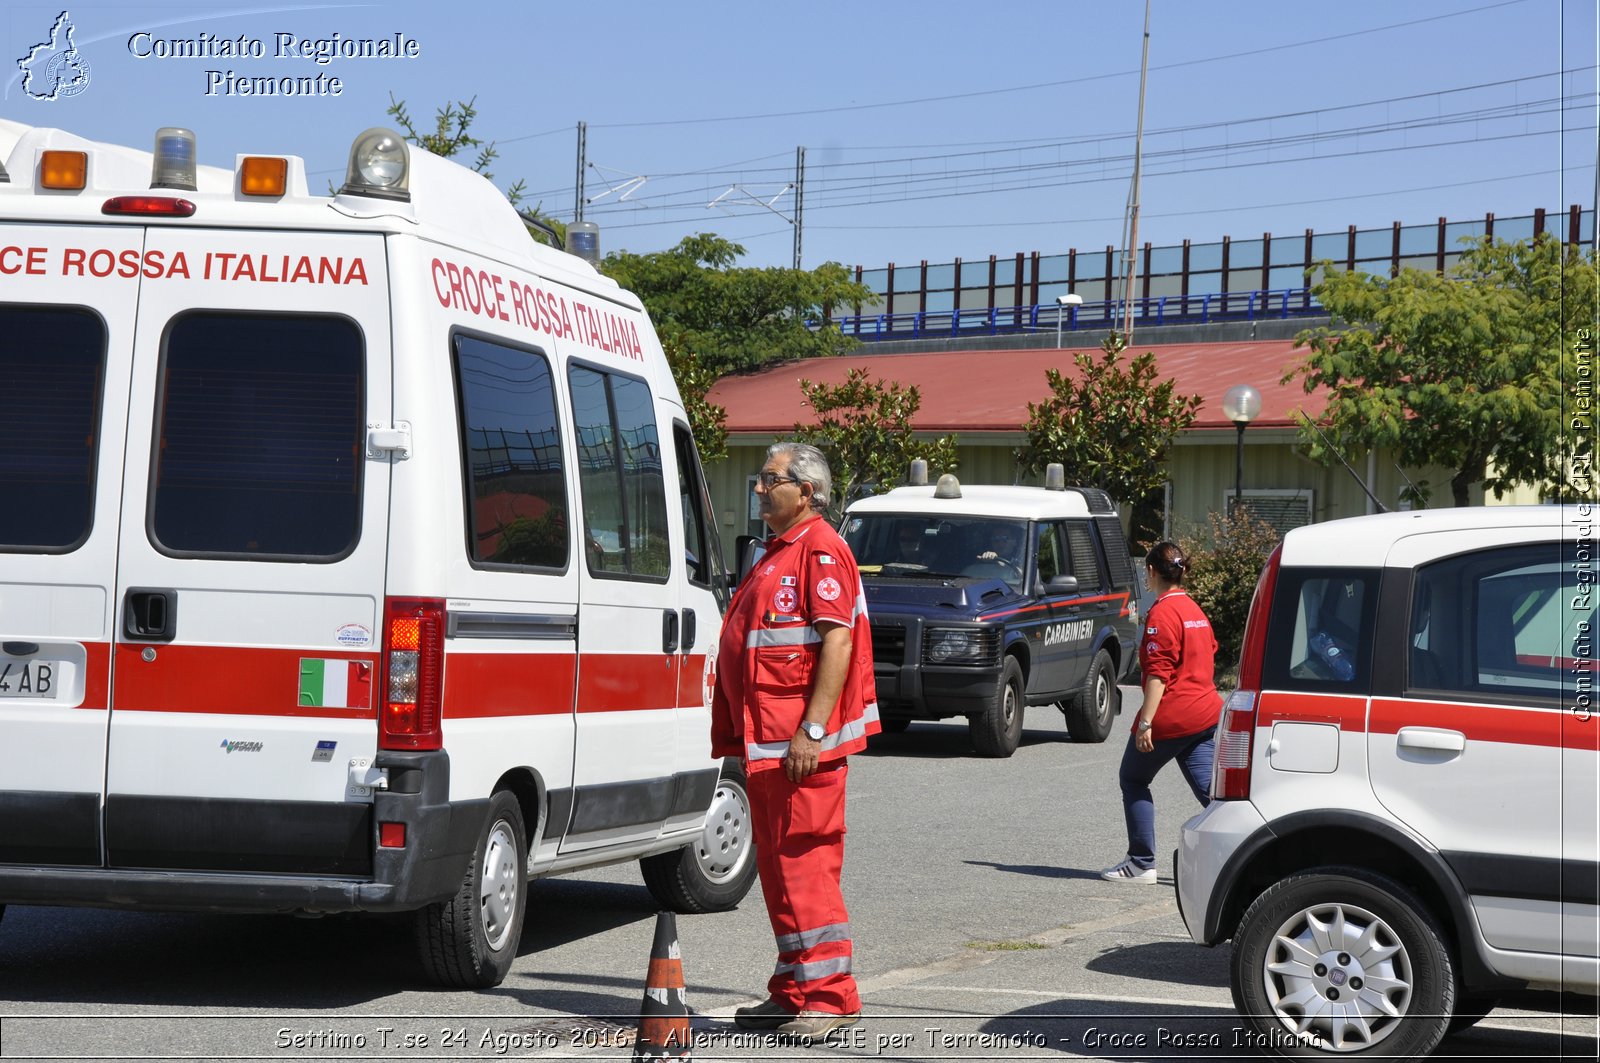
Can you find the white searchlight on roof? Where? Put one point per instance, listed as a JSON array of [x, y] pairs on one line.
[[380, 165], [173, 163]]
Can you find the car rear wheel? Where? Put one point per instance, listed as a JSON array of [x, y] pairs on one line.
[[470, 940], [894, 724], [996, 731], [1093, 709], [1341, 961], [714, 872]]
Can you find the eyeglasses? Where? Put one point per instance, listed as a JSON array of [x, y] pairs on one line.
[[769, 480]]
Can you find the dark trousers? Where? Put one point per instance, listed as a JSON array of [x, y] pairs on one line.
[[1193, 754]]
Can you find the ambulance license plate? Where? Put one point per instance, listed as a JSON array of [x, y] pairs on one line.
[[28, 677]]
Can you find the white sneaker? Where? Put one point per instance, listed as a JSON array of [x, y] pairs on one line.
[[1128, 871]]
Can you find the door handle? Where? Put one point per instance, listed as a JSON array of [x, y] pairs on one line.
[[669, 631], [1432, 738], [689, 630], [150, 615]]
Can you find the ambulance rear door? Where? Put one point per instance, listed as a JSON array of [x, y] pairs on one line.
[[252, 556], [66, 337]]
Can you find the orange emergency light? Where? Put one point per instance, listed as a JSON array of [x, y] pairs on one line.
[[263, 175], [66, 170]]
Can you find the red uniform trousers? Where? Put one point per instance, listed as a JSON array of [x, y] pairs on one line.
[[799, 836]]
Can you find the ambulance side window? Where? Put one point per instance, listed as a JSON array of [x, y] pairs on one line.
[[517, 511], [52, 368], [702, 548], [620, 475], [261, 437]]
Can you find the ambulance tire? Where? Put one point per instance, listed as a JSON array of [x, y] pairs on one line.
[[996, 731], [471, 940], [1305, 948], [715, 871], [1093, 710]]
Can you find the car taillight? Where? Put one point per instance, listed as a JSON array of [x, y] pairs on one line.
[[1230, 772], [413, 682]]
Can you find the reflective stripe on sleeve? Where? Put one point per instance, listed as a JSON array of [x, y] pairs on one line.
[[807, 939]]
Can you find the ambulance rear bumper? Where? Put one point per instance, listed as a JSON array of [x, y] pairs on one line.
[[439, 839]]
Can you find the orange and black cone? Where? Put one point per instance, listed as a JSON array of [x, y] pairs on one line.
[[664, 1035]]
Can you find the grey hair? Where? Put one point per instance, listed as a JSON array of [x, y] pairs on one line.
[[807, 463]]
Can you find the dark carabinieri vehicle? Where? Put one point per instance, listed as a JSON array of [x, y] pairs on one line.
[[984, 600]]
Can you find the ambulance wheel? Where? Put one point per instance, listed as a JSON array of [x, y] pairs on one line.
[[470, 940], [1093, 709], [1341, 961], [715, 871], [996, 731]]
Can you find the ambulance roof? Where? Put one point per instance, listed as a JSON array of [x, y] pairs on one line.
[[449, 204]]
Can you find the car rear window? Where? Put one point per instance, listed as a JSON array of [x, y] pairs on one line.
[[261, 438], [52, 368], [1320, 636]]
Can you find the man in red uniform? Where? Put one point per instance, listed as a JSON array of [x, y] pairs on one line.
[[795, 696]]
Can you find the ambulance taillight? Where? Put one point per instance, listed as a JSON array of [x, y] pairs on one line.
[[380, 165], [1230, 773], [413, 682], [263, 175], [64, 170]]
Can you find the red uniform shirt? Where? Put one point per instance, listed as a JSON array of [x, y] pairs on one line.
[[771, 646], [1179, 649]]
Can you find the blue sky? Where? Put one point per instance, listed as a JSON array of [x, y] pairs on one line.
[[932, 129]]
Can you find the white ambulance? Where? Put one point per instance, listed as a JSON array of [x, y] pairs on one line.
[[354, 553]]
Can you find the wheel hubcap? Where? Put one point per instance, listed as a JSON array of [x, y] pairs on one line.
[[725, 842], [1102, 696], [497, 890], [1008, 705], [1339, 974]]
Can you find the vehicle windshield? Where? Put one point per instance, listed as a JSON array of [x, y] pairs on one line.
[[938, 547]]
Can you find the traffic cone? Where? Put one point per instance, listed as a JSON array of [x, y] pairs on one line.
[[664, 1035]]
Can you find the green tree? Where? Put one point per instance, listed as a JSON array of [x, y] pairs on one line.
[[1111, 425], [864, 427], [707, 420], [736, 317], [1468, 370], [1225, 560]]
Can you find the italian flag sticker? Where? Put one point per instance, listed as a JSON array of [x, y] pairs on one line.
[[335, 684]]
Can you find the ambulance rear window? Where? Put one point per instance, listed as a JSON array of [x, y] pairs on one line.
[[261, 437], [52, 365]]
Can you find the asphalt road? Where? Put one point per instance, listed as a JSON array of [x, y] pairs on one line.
[[981, 932]]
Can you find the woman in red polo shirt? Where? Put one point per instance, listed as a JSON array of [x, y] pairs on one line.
[[1178, 720]]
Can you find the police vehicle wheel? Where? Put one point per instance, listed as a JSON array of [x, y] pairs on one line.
[[1094, 708], [894, 724], [1341, 961], [470, 940], [715, 871], [996, 730]]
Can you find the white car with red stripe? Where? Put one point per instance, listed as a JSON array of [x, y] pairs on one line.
[[356, 555], [1404, 825]]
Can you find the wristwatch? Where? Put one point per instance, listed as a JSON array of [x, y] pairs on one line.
[[814, 731], [1145, 725]]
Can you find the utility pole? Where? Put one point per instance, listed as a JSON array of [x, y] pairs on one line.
[[799, 198], [1130, 254], [583, 151]]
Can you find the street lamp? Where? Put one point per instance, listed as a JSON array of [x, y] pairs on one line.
[[1241, 404], [1062, 302]]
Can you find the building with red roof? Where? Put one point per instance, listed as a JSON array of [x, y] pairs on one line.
[[982, 397]]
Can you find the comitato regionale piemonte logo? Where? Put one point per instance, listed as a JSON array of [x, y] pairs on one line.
[[55, 69]]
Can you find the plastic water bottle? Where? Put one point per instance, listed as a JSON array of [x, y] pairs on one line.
[[1337, 661]]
